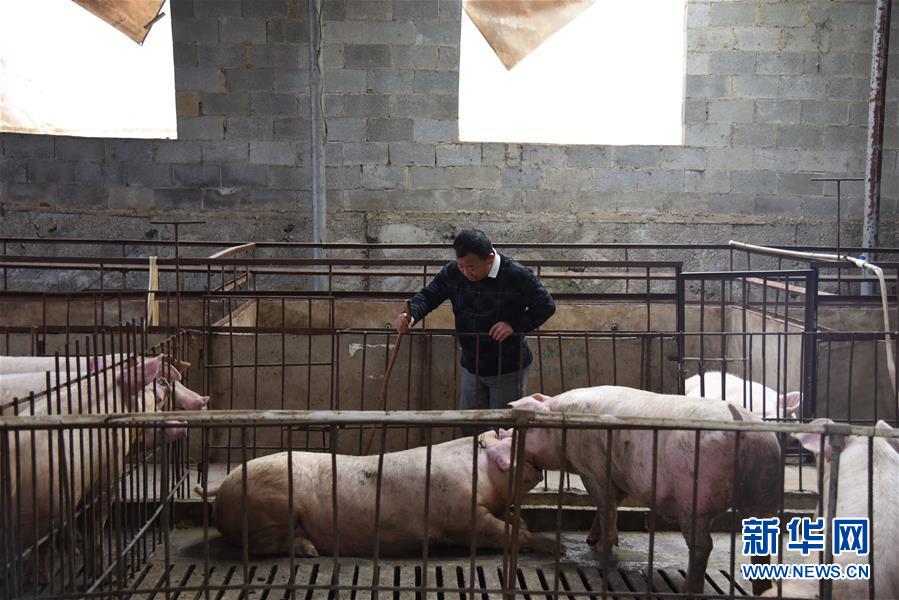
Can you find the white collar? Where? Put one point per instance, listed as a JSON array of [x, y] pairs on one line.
[[494, 269]]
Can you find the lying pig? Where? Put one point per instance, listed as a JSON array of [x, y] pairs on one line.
[[753, 396], [32, 480], [402, 526], [852, 501], [756, 492]]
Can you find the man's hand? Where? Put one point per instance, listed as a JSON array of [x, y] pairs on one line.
[[403, 322], [500, 331]]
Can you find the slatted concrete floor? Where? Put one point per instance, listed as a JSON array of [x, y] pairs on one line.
[[448, 571]]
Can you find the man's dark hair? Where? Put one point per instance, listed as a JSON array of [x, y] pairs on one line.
[[472, 241]]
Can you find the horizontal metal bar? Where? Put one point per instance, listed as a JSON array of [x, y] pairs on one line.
[[407, 246], [792, 273], [116, 262], [511, 417]]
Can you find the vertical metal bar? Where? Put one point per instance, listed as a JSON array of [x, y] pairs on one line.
[[256, 370], [317, 136], [376, 553], [586, 359], [735, 504], [561, 364], [764, 338], [874, 143], [872, 550], [809, 402], [723, 328], [283, 372], [518, 492], [557, 567], [474, 508], [836, 443], [362, 385], [679, 329], [8, 572], [426, 538], [117, 507], [335, 571], [204, 482], [605, 546], [291, 544], [166, 527], [408, 386], [244, 512], [231, 377], [849, 377], [695, 500], [652, 511], [702, 334], [614, 357]]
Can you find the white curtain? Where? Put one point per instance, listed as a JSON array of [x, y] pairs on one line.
[[64, 71]]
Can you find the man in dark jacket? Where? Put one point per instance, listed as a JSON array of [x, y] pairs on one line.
[[495, 302]]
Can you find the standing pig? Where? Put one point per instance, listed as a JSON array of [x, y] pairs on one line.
[[70, 366], [852, 501], [35, 512], [756, 491], [753, 396], [402, 519]]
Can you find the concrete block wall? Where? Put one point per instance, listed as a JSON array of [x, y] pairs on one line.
[[776, 93]]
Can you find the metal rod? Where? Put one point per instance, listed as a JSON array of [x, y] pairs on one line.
[[874, 143], [317, 135]]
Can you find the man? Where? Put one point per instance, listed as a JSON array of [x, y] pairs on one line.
[[495, 301]]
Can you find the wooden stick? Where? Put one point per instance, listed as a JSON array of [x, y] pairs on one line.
[[382, 396]]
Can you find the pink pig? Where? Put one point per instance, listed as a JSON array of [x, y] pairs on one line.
[[852, 502], [756, 490], [402, 508], [751, 395]]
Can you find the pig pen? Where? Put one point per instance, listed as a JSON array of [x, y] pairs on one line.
[[162, 545], [256, 347]]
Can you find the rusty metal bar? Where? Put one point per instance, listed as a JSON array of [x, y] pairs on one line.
[[874, 142]]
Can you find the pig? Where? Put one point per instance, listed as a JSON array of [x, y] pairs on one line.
[[402, 501], [70, 366], [20, 384], [852, 501], [756, 491], [753, 396], [31, 482]]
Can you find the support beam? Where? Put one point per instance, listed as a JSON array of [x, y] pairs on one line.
[[318, 135], [874, 149]]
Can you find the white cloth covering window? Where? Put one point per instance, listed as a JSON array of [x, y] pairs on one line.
[[64, 71]]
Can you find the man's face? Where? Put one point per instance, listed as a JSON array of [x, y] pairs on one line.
[[474, 267]]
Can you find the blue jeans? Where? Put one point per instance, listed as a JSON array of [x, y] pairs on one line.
[[479, 392]]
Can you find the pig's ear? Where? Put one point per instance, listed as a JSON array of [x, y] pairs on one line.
[[530, 403], [894, 442], [138, 375], [181, 365], [791, 401], [501, 455], [169, 368], [812, 441], [504, 433]]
